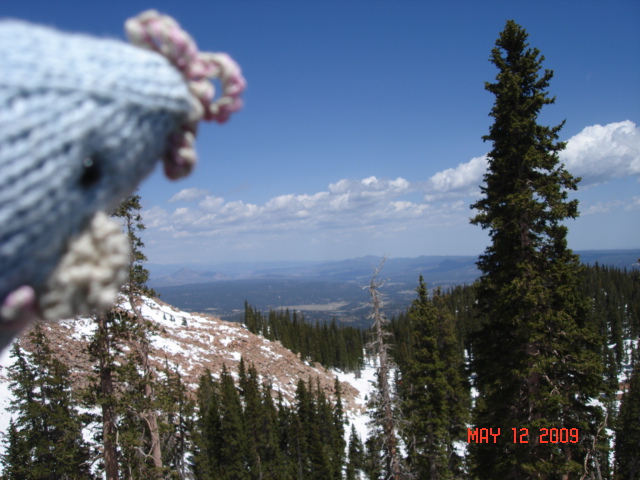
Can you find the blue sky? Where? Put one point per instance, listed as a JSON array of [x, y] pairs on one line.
[[361, 132]]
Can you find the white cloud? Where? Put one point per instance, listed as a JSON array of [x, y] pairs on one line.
[[348, 204], [211, 204], [462, 180], [597, 154], [601, 153], [189, 195], [375, 206], [600, 207]]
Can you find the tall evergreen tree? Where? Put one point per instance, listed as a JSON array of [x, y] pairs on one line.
[[104, 347], [372, 466], [252, 418], [273, 460], [337, 434], [206, 451], [177, 422], [435, 395], [45, 442], [232, 433], [16, 460], [124, 382], [355, 463], [309, 441], [129, 213], [536, 360], [628, 431]]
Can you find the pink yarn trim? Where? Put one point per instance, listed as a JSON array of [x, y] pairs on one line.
[[18, 309], [163, 34]]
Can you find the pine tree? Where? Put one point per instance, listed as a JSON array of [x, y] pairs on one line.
[[337, 437], [306, 440], [177, 422], [294, 439], [103, 349], [290, 439], [325, 463], [207, 438], [356, 456], [273, 461], [435, 396], [16, 461], [123, 385], [46, 438], [252, 418], [129, 212], [232, 433], [536, 360], [372, 465], [628, 431]]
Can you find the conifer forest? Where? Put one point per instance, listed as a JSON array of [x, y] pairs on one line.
[[516, 376]]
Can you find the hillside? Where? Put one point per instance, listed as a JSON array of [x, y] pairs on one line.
[[191, 343]]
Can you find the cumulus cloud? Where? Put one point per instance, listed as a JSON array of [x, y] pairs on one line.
[[597, 154], [347, 203], [602, 153], [463, 180], [374, 205], [211, 204]]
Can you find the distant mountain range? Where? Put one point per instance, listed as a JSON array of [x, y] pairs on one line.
[[322, 290]]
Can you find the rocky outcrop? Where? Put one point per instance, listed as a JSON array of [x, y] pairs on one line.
[[192, 343]]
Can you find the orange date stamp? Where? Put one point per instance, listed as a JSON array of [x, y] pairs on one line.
[[522, 435]]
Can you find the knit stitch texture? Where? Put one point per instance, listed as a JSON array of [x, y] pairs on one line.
[[82, 122]]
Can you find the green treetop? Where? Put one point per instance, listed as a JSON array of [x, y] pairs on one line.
[[45, 438], [129, 212], [434, 392], [628, 430], [535, 358]]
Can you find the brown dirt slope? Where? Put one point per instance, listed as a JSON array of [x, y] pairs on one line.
[[193, 342]]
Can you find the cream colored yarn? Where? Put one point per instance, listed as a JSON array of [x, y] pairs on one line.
[[90, 273]]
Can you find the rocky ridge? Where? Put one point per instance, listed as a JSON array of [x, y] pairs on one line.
[[191, 343]]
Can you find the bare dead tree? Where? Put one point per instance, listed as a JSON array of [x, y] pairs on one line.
[[386, 410], [592, 454]]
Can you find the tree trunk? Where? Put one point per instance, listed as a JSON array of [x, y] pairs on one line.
[[152, 420], [150, 414], [389, 423], [106, 393]]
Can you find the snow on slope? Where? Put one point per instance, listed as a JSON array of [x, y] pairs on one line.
[[5, 393], [365, 385], [207, 342], [189, 343]]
